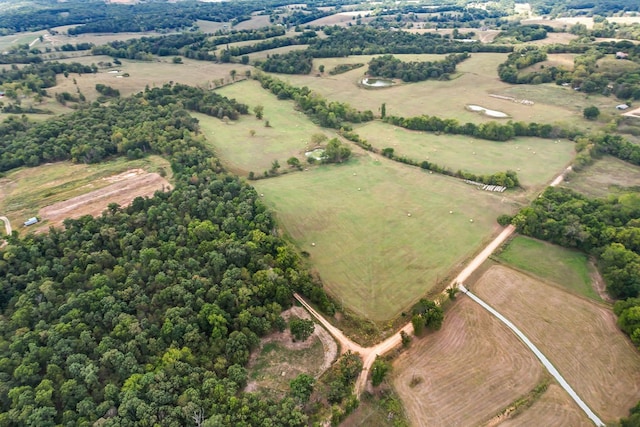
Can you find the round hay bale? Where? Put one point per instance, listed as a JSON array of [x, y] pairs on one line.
[[354, 174], [408, 214], [450, 212], [358, 188], [471, 220], [313, 244], [261, 195]]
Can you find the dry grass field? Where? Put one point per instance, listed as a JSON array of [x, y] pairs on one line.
[[142, 73], [256, 21], [466, 373], [475, 80], [264, 54], [353, 219], [554, 38], [564, 60], [537, 161], [606, 176], [24, 192], [578, 336], [553, 408]]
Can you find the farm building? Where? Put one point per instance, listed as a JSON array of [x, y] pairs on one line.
[[621, 55], [30, 221], [622, 107]]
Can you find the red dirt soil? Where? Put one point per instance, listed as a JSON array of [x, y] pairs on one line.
[[126, 187]]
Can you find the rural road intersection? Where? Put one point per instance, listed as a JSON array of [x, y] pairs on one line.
[[369, 354]]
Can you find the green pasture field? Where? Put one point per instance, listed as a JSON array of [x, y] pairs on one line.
[[24, 191], [610, 64], [607, 175], [353, 220], [565, 267], [252, 42], [13, 40], [288, 136], [537, 161], [143, 73], [475, 79]]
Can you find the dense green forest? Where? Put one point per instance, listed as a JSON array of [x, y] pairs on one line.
[[414, 71], [146, 314]]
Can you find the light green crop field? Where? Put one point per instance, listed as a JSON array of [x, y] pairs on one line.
[[606, 176], [24, 191], [288, 136], [564, 267], [537, 161], [475, 79], [354, 221]]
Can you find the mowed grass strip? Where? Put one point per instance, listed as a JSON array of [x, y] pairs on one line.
[[537, 161], [475, 79], [607, 175], [565, 267], [578, 336], [24, 191], [466, 373], [354, 221], [288, 136]]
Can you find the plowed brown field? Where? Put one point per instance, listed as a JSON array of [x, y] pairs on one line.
[[126, 187], [467, 372], [553, 408], [578, 336]]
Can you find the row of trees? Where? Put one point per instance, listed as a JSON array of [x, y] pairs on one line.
[[414, 71], [327, 114], [492, 131]]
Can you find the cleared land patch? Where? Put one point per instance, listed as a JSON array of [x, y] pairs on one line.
[[564, 267], [475, 79], [465, 373], [279, 359], [288, 136], [475, 155], [607, 175], [354, 221], [560, 60], [25, 191], [579, 337]]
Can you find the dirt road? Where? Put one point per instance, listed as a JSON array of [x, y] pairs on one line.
[[7, 225], [369, 354], [547, 364]]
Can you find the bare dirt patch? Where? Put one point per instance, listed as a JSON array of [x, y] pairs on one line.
[[465, 373], [268, 371], [124, 188], [578, 336]]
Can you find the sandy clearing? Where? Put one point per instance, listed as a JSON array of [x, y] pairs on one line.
[[578, 336], [468, 371], [124, 189]]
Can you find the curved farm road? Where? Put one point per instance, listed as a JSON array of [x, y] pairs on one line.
[[369, 354], [7, 225]]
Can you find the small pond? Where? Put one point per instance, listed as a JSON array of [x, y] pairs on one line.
[[375, 82]]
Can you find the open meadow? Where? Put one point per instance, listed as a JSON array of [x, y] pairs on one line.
[[288, 135], [143, 73], [605, 176], [467, 373], [475, 79], [25, 191], [563, 267], [537, 161], [264, 54], [353, 220], [578, 336]]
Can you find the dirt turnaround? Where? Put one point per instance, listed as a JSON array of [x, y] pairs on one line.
[[124, 188]]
